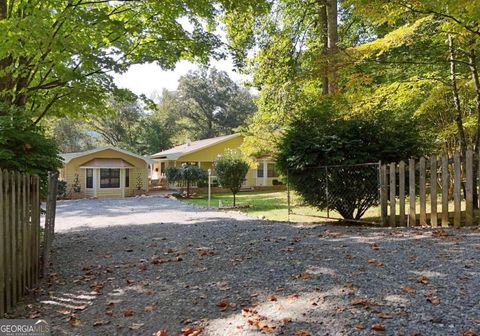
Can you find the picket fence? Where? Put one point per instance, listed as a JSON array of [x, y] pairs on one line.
[[19, 236], [449, 178]]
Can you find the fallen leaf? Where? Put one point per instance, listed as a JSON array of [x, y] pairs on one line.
[[469, 333], [247, 312], [286, 320], [385, 316], [148, 309], [359, 326], [188, 331], [272, 298], [422, 279], [223, 305], [136, 326], [75, 322], [265, 327], [100, 323], [358, 302], [433, 300], [303, 333], [162, 332], [128, 313], [378, 327], [407, 289]]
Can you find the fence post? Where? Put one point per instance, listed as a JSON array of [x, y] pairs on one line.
[[456, 190], [383, 194], [288, 195], [326, 191], [412, 218], [13, 236], [433, 192], [49, 220], [2, 249], [401, 191], [445, 218], [469, 188], [423, 192], [392, 194]]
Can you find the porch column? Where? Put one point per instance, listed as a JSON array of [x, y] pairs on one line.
[[265, 173], [95, 181]]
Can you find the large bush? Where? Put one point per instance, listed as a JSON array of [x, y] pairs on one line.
[[231, 170], [321, 138], [24, 147], [186, 175]]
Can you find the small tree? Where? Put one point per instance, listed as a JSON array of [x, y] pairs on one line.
[[231, 170], [186, 174], [191, 174]]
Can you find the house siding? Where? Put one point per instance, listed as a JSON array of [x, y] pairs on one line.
[[140, 170]]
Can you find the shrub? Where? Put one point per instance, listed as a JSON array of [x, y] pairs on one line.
[[231, 170], [317, 138], [186, 174]]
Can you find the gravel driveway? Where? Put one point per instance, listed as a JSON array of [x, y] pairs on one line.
[[141, 265]]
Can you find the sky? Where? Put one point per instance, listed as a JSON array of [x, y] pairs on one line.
[[149, 78]]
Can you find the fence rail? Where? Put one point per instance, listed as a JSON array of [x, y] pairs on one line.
[[19, 236], [451, 182]]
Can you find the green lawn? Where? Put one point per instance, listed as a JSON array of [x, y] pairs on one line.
[[271, 205]]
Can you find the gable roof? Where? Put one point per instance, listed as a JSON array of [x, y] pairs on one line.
[[67, 157], [190, 147]]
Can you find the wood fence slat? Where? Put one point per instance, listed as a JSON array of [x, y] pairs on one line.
[[24, 232], [456, 190], [412, 218], [2, 248], [19, 230], [445, 191], [469, 188], [423, 192], [383, 194], [393, 188], [401, 192], [8, 242], [29, 230], [433, 192], [13, 235], [36, 206]]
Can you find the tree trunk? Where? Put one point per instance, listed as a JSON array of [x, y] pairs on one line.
[[324, 38], [472, 60], [456, 99], [234, 199], [332, 41]]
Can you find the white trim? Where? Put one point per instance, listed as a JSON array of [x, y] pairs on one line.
[[78, 155], [178, 155], [86, 177], [106, 167], [95, 181]]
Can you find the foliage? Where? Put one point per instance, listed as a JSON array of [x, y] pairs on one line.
[[25, 147], [186, 175], [231, 169], [316, 138], [76, 184], [139, 183], [210, 104], [72, 136], [62, 189]]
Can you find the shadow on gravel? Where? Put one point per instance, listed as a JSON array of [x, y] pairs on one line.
[[138, 279]]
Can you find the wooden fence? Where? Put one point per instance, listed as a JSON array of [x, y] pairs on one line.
[[440, 191], [19, 236]]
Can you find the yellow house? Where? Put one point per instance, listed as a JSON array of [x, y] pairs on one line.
[[105, 172], [204, 152]]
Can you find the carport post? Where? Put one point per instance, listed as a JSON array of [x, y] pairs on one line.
[[209, 186]]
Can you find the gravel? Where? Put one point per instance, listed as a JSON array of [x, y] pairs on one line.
[[139, 265]]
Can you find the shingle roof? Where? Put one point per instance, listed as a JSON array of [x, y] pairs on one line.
[[67, 157], [190, 147]]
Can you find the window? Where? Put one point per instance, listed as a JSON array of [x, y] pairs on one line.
[[162, 168], [89, 175], [260, 170], [109, 178], [271, 170], [127, 178]]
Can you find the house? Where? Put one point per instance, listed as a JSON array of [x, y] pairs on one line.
[[105, 172], [203, 153]]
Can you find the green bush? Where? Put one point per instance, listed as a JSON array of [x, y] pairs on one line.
[[25, 147], [319, 138], [186, 174], [231, 170]]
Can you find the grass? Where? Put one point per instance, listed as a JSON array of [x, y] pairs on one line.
[[271, 205]]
